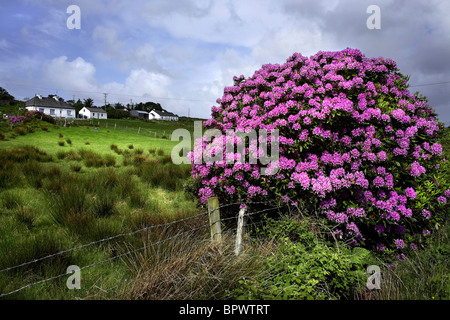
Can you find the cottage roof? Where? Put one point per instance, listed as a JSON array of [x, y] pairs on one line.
[[95, 109], [139, 111], [49, 102]]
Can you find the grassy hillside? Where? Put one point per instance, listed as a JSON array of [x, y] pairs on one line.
[[63, 187]]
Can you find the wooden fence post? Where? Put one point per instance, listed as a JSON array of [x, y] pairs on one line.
[[139, 130], [115, 125], [214, 219], [239, 233]]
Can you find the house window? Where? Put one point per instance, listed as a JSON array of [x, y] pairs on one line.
[[52, 112], [41, 110], [93, 114], [69, 112]]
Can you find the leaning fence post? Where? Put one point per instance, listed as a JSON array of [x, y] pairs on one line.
[[214, 219], [240, 228]]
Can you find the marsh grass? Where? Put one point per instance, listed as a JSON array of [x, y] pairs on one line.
[[170, 270], [167, 176], [423, 275]]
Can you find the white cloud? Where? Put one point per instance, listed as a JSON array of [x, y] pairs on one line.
[[74, 75], [79, 76]]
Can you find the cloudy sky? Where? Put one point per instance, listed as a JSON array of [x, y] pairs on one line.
[[182, 53]]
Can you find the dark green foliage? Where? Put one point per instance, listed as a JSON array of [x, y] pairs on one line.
[[306, 266]]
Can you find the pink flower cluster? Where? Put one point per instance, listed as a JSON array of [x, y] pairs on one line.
[[352, 138]]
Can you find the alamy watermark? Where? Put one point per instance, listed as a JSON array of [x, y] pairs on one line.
[[209, 147], [74, 20], [73, 281], [374, 20], [374, 281]]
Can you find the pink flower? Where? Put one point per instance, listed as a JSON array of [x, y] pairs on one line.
[[321, 185], [410, 193], [442, 199], [417, 169], [399, 243]]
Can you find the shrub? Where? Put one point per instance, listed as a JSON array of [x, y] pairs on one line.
[[353, 142], [306, 265]]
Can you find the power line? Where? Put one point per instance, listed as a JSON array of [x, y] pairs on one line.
[[429, 84]]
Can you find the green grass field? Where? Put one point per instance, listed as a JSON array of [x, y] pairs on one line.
[[61, 187], [87, 137]]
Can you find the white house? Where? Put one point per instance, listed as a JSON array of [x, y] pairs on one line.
[[52, 106], [162, 115], [92, 113]]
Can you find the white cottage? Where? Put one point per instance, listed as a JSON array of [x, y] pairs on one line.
[[92, 113], [52, 106]]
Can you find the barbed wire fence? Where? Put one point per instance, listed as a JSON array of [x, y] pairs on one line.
[[198, 224]]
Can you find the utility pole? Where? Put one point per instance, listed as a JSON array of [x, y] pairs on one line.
[[105, 94]]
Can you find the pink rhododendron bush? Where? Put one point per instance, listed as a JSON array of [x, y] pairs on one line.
[[356, 147]]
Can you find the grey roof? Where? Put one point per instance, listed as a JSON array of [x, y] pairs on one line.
[[138, 111], [49, 102], [95, 109], [164, 113]]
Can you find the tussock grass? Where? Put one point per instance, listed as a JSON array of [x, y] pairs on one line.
[[424, 275], [170, 270]]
